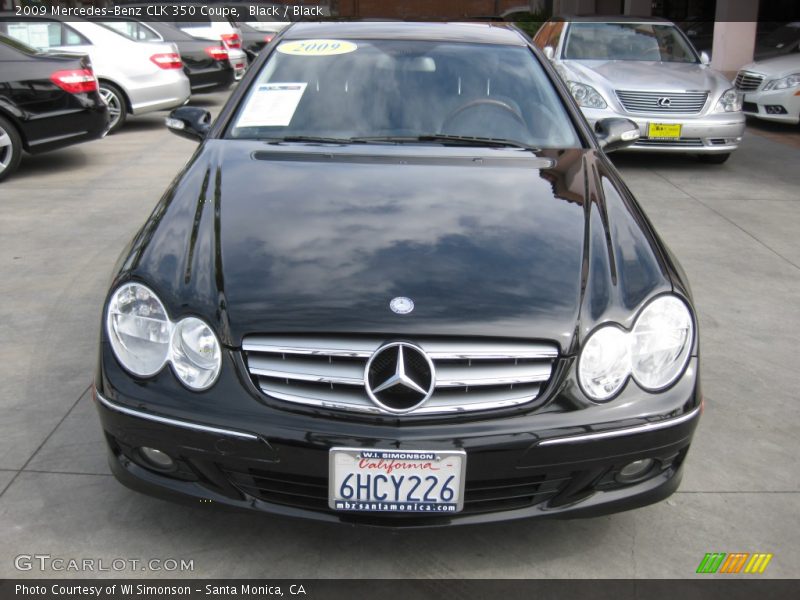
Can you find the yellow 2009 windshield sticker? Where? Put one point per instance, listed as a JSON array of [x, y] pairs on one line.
[[317, 47]]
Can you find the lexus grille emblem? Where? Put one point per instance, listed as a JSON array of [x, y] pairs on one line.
[[665, 101], [401, 305], [399, 377]]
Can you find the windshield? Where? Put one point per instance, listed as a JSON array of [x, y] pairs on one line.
[[627, 41], [403, 89]]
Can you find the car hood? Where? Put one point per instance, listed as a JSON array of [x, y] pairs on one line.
[[780, 66], [260, 238], [646, 75]]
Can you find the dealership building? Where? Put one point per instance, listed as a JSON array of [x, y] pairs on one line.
[[732, 24]]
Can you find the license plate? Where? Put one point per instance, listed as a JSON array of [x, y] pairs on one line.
[[663, 131], [397, 481]]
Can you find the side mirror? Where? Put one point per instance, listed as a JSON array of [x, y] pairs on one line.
[[616, 133], [190, 122], [705, 58], [549, 52]]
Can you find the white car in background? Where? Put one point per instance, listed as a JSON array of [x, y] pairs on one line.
[[133, 77], [205, 27], [771, 88]]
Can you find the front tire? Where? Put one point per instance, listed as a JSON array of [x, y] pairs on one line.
[[117, 106], [10, 148], [714, 159]]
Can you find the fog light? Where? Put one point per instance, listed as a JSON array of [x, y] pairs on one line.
[[157, 458], [635, 470]]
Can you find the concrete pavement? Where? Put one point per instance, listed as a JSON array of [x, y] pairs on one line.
[[65, 217]]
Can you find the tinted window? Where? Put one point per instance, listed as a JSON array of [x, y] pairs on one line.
[[627, 41], [10, 48], [133, 30], [783, 36], [43, 34], [405, 88]]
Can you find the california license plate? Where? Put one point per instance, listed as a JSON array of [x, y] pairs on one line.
[[663, 131], [397, 481]]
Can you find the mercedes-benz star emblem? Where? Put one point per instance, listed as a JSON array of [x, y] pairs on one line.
[[665, 101], [401, 305], [399, 377]]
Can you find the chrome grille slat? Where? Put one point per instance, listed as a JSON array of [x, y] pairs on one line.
[[319, 371], [440, 402], [481, 375], [747, 81], [680, 102], [694, 142], [328, 372]]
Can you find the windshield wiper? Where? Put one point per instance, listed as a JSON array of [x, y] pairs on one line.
[[313, 139], [462, 140]]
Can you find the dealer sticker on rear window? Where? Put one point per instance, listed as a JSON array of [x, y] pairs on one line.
[[317, 47], [272, 105]]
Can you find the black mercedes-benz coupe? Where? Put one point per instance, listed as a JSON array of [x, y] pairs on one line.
[[47, 101], [400, 283]]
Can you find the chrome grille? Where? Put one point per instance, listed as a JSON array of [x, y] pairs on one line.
[[646, 142], [688, 103], [328, 372], [747, 81]]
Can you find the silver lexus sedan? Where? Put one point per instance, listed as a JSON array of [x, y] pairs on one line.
[[646, 71]]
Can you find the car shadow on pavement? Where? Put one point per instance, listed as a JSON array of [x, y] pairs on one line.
[[194, 101], [509, 548], [679, 162], [50, 163]]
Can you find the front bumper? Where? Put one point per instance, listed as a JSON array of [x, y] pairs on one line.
[[781, 106], [534, 465], [717, 133]]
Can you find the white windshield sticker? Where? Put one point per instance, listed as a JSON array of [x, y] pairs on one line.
[[272, 105]]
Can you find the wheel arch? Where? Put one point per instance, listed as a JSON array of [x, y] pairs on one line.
[[128, 105], [15, 123]]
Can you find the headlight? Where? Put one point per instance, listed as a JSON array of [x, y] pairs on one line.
[[138, 329], [144, 339], [195, 355], [586, 96], [784, 83], [605, 362], [655, 352], [730, 101], [661, 343]]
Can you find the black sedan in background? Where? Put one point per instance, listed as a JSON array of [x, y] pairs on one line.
[[47, 101], [253, 40], [205, 62], [400, 283]]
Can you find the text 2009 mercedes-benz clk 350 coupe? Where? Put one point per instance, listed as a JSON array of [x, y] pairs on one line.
[[400, 283]]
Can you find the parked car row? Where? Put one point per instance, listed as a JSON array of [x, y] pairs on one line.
[[69, 81]]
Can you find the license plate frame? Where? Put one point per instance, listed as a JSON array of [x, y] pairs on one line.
[[449, 462], [664, 131]]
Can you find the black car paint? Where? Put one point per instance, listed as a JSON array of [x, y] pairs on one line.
[[253, 40], [244, 237], [46, 116], [205, 73]]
